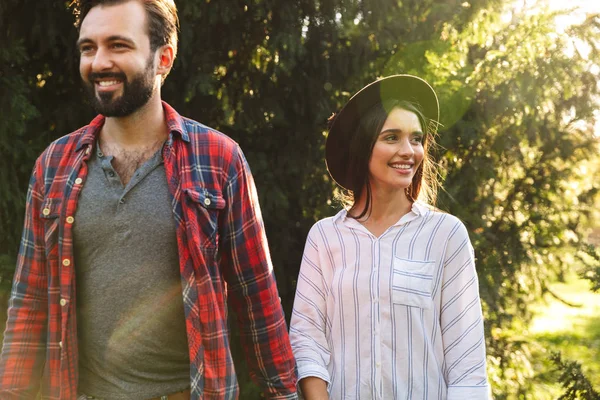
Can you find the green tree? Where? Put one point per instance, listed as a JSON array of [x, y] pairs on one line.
[[576, 385], [519, 99]]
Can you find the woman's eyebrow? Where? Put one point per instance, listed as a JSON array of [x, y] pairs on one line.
[[398, 130]]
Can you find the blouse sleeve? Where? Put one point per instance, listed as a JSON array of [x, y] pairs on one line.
[[462, 321], [308, 325]]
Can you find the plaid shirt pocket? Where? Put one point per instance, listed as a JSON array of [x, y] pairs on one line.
[[206, 205]]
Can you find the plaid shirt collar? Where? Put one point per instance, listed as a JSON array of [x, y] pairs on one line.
[[174, 123]]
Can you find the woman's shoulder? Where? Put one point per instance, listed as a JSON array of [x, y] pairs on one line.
[[445, 220], [327, 224]]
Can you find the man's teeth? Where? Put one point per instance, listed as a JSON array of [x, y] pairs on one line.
[[402, 166], [107, 83]]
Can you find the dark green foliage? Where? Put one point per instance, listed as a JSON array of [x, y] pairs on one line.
[[520, 162], [577, 386], [590, 255], [39, 100]]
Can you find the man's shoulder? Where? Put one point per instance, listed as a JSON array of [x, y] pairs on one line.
[[67, 145], [202, 138], [59, 158], [200, 133]]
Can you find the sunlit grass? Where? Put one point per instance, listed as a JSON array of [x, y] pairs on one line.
[[574, 331]]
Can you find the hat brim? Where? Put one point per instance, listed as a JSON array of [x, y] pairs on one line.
[[402, 87]]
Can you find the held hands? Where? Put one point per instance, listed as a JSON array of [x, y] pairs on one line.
[[314, 388]]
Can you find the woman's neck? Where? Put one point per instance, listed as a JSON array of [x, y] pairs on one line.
[[385, 209]]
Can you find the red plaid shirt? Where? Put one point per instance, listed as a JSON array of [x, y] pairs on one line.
[[222, 253]]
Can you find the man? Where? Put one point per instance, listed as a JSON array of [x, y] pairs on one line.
[[137, 229]]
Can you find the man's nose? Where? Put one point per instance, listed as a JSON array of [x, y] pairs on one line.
[[102, 60]]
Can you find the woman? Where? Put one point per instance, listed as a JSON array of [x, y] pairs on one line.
[[387, 303]]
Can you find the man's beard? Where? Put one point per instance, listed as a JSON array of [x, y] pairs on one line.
[[136, 92]]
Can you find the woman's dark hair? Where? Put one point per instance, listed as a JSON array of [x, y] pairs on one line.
[[163, 22], [424, 183]]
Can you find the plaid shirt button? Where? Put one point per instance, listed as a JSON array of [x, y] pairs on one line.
[[63, 302], [66, 262]]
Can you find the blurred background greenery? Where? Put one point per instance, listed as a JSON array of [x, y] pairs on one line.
[[519, 145]]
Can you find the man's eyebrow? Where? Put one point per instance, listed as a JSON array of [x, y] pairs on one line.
[[82, 41], [112, 38]]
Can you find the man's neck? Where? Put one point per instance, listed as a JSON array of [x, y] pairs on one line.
[[144, 126]]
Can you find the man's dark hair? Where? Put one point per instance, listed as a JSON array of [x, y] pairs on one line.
[[163, 22]]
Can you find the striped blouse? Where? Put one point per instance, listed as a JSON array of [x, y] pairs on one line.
[[393, 317]]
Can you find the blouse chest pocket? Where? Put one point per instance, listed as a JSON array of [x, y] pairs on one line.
[[203, 215], [412, 283]]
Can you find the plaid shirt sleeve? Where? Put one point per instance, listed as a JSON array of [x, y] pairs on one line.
[[24, 348], [252, 288]]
